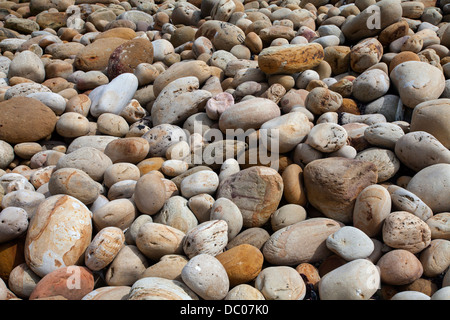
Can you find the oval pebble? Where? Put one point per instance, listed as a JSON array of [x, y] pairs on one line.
[[204, 272], [209, 237], [355, 280], [350, 243], [280, 283], [104, 248]]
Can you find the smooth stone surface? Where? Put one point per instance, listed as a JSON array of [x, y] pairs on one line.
[[242, 263], [59, 282], [209, 237], [398, 267], [282, 246], [372, 206], [104, 247], [126, 267], [176, 213], [114, 96], [237, 116], [403, 200], [118, 213], [244, 292], [256, 191], [432, 117], [431, 186], [178, 100], [156, 288], [439, 226], [419, 149], [435, 259], [410, 295], [161, 137], [322, 178], [13, 223], [327, 137], [75, 183], [413, 89], [290, 58], [225, 209], [149, 195], [204, 272], [155, 240], [47, 251], [350, 243], [386, 162], [168, 267], [290, 128], [90, 160], [37, 121], [384, 134], [403, 230], [287, 215]]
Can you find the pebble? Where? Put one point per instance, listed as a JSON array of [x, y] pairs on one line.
[[52, 100], [36, 122], [22, 281], [434, 112], [419, 149], [156, 288], [327, 137], [242, 263], [244, 292], [67, 181], [255, 203], [13, 223], [399, 267], [104, 247], [225, 209], [414, 236], [124, 111], [286, 216], [126, 267], [410, 295], [280, 283], [212, 274], [280, 248], [350, 243], [149, 194], [176, 213], [329, 181], [435, 259], [114, 96], [56, 283], [385, 160], [412, 89], [118, 213], [88, 159], [198, 183], [285, 59], [403, 200], [108, 293], [383, 134], [209, 237], [434, 193], [439, 226], [47, 251], [153, 241]]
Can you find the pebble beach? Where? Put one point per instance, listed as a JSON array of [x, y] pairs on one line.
[[224, 150]]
